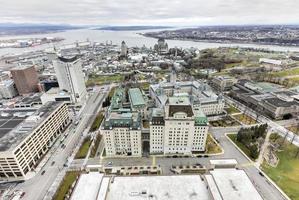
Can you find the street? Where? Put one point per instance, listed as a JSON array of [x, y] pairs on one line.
[[36, 187]]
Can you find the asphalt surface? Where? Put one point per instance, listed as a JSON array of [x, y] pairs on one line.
[[36, 187]]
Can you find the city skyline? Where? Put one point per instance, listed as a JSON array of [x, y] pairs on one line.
[[177, 13]]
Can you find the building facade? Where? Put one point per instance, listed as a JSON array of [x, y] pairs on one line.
[[121, 128], [8, 89], [26, 79], [199, 93], [71, 77], [179, 129], [23, 147]]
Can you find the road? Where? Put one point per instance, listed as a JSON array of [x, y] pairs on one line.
[[36, 187]]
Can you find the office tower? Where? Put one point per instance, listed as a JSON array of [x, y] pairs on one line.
[[70, 77], [124, 49], [26, 79]]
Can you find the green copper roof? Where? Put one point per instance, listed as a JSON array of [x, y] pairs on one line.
[[136, 97], [200, 117]]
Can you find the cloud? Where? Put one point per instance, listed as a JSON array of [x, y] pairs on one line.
[[150, 12]]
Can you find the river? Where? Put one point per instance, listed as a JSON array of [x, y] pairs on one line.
[[132, 38]]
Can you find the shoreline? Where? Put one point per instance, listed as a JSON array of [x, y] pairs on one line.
[[221, 42]]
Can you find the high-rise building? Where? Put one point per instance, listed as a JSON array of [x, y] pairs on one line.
[[8, 89], [124, 49], [121, 128], [26, 79], [71, 77], [180, 128]]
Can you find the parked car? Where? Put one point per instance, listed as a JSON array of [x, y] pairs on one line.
[[43, 172]]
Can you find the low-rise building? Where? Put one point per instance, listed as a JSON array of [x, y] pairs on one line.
[[55, 94], [26, 136], [267, 99], [137, 100], [223, 83]]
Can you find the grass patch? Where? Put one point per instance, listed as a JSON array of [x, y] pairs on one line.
[[286, 174], [211, 146], [100, 80], [284, 73], [145, 124], [96, 145], [83, 149], [225, 122], [97, 122], [66, 184], [233, 137], [245, 119], [294, 129], [232, 110]]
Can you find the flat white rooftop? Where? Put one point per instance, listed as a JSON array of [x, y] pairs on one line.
[[88, 186], [184, 187], [234, 184], [224, 162]]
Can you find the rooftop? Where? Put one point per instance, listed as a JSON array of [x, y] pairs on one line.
[[17, 124], [220, 184], [234, 184], [187, 187], [136, 97]]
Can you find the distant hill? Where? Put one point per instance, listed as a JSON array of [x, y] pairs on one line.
[[25, 29], [131, 28]]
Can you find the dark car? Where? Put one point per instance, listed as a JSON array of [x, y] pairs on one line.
[[43, 172]]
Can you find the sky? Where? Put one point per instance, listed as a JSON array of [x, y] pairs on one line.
[[150, 12]]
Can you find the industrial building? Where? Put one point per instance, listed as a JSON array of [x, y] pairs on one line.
[[26, 135]]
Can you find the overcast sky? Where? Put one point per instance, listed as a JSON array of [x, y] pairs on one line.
[[151, 12]]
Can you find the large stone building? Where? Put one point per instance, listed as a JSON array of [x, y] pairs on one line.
[[121, 128], [71, 77], [161, 47], [27, 137], [223, 83], [179, 129], [123, 50], [200, 94], [269, 99], [26, 79]]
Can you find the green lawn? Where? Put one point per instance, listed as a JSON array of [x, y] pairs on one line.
[[286, 174], [66, 184], [83, 149], [211, 146], [233, 137], [232, 110], [96, 145], [289, 72], [99, 80], [97, 122], [245, 119]]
